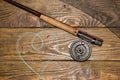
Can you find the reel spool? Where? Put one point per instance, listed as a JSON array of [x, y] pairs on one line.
[[80, 50]]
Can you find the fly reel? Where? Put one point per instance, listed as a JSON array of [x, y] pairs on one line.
[[80, 50]]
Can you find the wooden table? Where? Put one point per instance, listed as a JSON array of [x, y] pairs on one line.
[[53, 61]]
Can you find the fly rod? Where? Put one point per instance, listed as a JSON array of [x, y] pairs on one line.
[[76, 32]]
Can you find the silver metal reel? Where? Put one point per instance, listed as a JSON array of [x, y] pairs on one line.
[[80, 50]]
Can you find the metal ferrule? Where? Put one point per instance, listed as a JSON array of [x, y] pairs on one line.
[[90, 38]]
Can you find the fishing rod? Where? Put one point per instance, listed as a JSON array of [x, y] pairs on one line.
[[76, 32]]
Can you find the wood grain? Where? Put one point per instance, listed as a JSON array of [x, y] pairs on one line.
[[106, 11], [52, 61], [56, 47], [75, 13], [15, 17], [60, 70]]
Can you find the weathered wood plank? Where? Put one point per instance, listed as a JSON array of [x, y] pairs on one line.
[[11, 16], [55, 44], [75, 13], [106, 11], [60, 70]]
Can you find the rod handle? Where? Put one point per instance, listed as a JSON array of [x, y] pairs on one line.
[[59, 24]]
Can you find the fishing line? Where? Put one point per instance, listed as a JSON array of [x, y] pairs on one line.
[[33, 40], [20, 53], [36, 35]]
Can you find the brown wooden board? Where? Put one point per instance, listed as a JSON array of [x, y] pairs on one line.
[[60, 70], [55, 44], [11, 16], [76, 13], [31, 49], [106, 11]]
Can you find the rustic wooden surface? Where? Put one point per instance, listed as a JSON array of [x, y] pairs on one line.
[[15, 17], [106, 11], [102, 13], [109, 51], [53, 61], [96, 12], [60, 65], [61, 70]]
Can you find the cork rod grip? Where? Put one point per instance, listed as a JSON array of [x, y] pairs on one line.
[[59, 24]]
